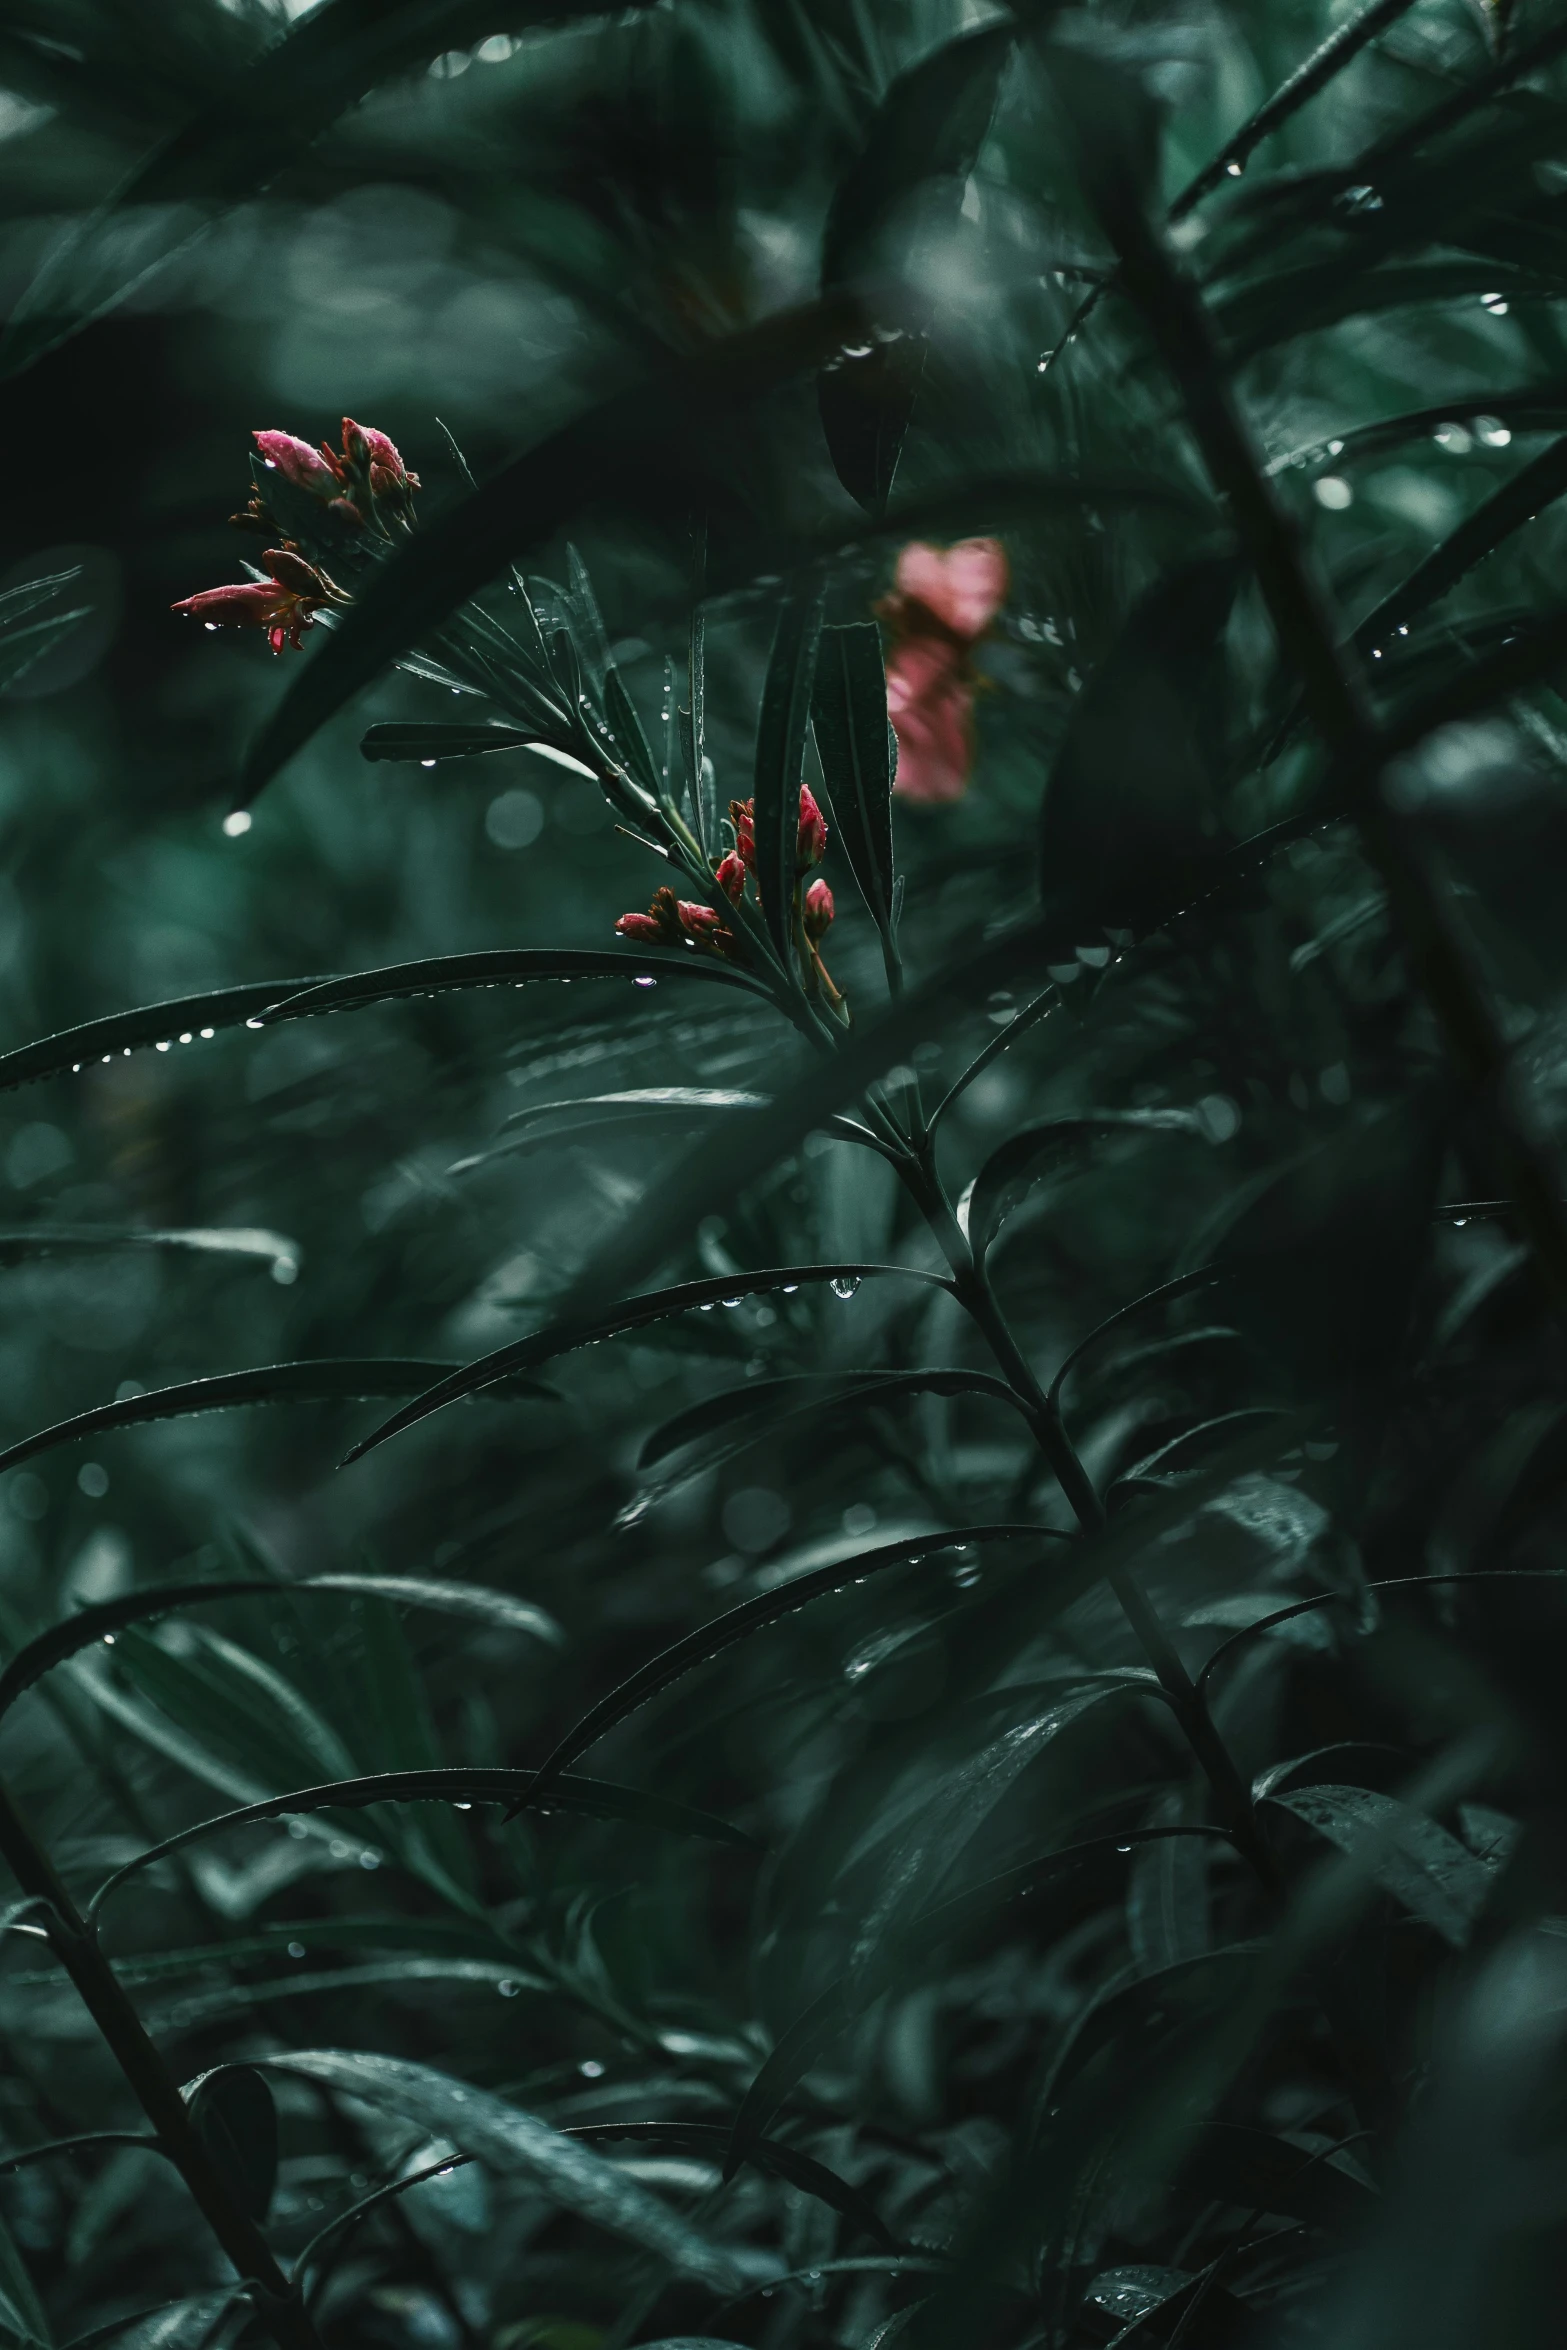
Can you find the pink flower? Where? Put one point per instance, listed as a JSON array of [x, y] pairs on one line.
[[284, 604], [731, 877], [961, 587], [315, 470], [944, 601], [818, 911]]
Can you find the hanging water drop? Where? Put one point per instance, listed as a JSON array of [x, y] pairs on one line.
[[643, 979], [844, 1284]]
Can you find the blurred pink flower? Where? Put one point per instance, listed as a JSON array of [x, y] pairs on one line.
[[944, 600]]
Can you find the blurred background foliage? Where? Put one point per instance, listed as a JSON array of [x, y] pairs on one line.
[[1111, 2111]]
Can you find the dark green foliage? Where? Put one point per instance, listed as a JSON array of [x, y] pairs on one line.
[[1047, 1507]]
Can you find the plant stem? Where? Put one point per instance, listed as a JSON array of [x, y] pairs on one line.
[[1186, 1701], [153, 2084]]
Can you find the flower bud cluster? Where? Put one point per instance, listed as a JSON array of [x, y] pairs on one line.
[[365, 484], [672, 921]]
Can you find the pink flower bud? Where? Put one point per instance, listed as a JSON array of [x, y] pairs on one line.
[[818, 911], [811, 839], [742, 814], [315, 470], [364, 446], [639, 926], [731, 878], [697, 921]]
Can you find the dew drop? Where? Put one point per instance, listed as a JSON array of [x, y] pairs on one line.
[[108, 1640], [427, 762], [1355, 203], [508, 1989], [296, 1950], [1123, 1848], [186, 1038], [1233, 170], [462, 1807], [1497, 304], [209, 1032], [844, 1284], [644, 979], [789, 1289], [732, 1302], [164, 1046]]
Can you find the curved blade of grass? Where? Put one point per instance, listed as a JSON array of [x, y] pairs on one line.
[[512, 2141], [84, 2140], [320, 1382], [606, 456], [495, 967], [753, 1615], [271, 113], [812, 2032], [457, 1783], [563, 1337], [92, 1624]]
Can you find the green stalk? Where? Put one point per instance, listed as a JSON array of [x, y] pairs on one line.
[[152, 2083]]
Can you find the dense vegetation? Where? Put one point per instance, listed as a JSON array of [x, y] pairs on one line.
[[928, 1707]]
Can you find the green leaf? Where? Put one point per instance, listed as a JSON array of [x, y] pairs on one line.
[[922, 141], [121, 1033], [805, 1393], [1435, 1877], [1539, 485], [512, 2141], [499, 967], [452, 1783], [233, 2114], [39, 1240], [1053, 1147], [111, 1616], [428, 744], [780, 758], [752, 1615], [858, 752], [564, 1337], [766, 2154], [319, 1382], [543, 1123], [1130, 827]]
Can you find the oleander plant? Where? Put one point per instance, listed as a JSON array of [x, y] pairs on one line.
[[784, 1243]]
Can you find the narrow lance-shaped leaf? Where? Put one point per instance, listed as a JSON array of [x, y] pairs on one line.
[[780, 758], [1419, 1863], [428, 744], [512, 2141], [276, 1383], [752, 1615], [923, 140], [453, 1783], [857, 749], [1056, 1143], [234, 2116], [563, 1337], [93, 1624]]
